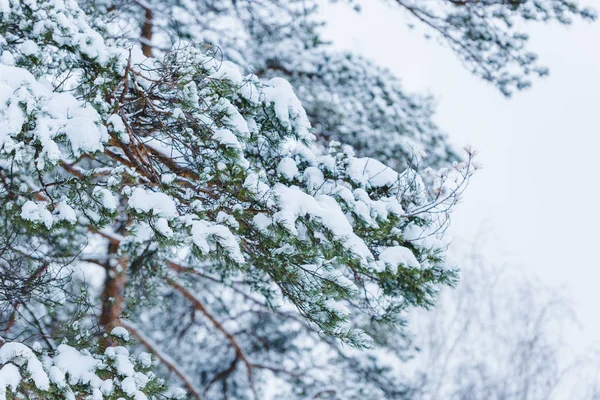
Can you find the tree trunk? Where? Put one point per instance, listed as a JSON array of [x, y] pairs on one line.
[[146, 35], [113, 294]]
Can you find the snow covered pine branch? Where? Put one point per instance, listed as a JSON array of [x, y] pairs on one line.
[[176, 170]]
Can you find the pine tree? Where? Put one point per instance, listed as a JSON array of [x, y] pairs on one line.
[[167, 169], [158, 175]]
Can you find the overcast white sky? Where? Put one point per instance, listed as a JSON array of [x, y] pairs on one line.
[[537, 195]]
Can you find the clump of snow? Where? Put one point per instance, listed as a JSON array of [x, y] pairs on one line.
[[393, 257], [119, 127], [37, 347], [287, 106], [190, 95], [337, 306], [19, 353], [234, 118], [142, 232], [228, 70], [57, 115], [294, 203], [159, 204], [203, 231], [79, 367], [313, 177], [120, 355], [227, 138], [262, 222], [162, 226], [256, 185], [168, 178], [176, 393], [7, 58], [57, 376], [80, 124], [249, 90], [66, 212], [128, 386], [145, 360], [370, 172], [109, 201], [29, 47], [287, 168], [133, 381], [121, 333], [10, 377], [37, 212]]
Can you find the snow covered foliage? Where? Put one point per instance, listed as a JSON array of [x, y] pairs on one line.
[[351, 100], [161, 170], [180, 199], [167, 200], [483, 33], [347, 98], [240, 246], [68, 373]]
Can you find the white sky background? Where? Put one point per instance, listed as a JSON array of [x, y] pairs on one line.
[[537, 194]]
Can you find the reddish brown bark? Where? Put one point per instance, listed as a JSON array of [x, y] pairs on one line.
[[146, 35], [113, 294]]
